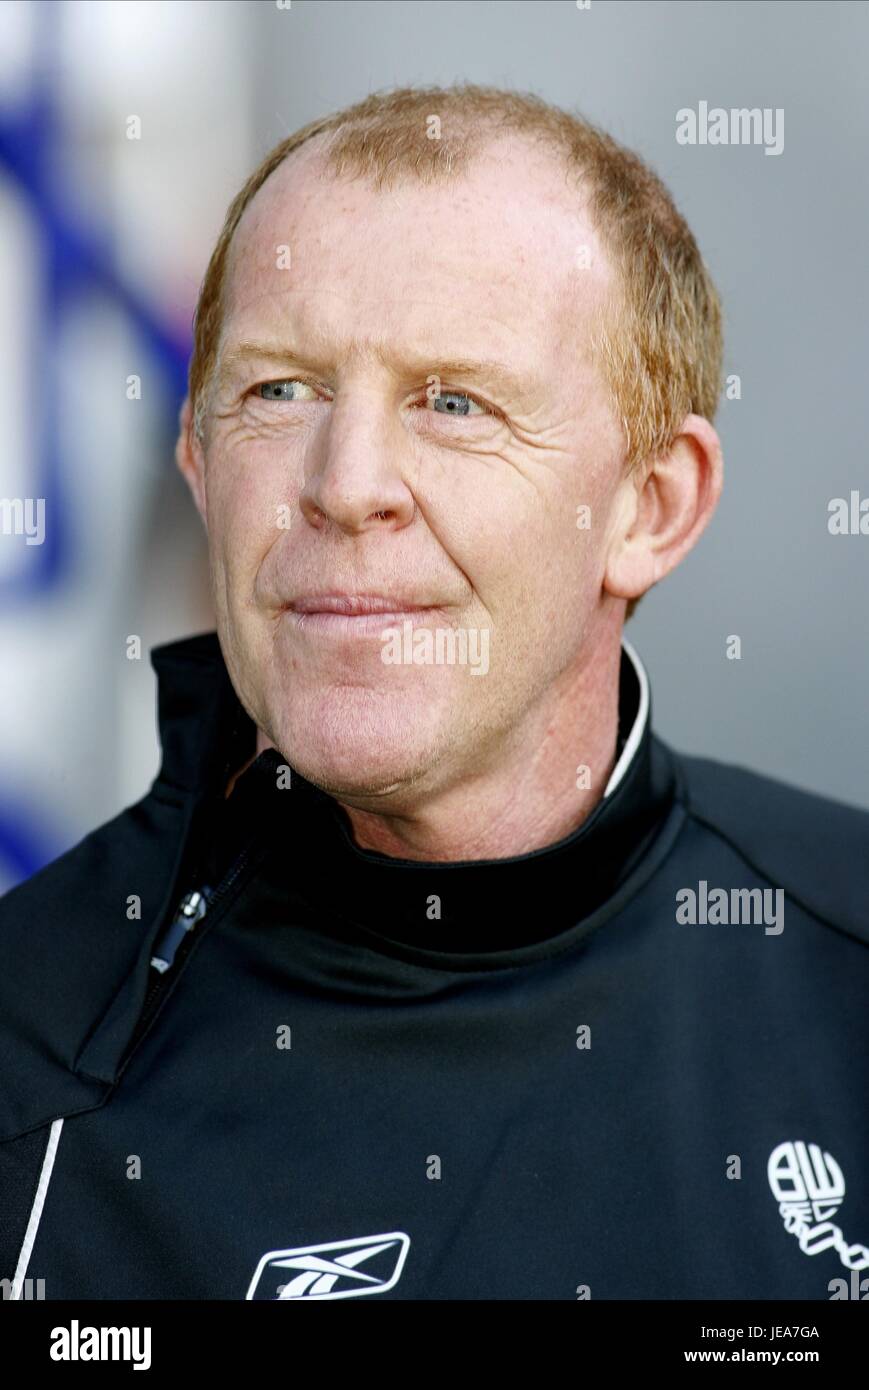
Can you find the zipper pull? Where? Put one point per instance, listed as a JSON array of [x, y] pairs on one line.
[[191, 909]]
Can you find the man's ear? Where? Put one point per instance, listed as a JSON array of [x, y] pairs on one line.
[[661, 513], [190, 458]]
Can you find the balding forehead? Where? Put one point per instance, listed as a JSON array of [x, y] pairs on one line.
[[535, 268], [510, 170]]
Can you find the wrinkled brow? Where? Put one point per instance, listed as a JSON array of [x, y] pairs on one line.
[[486, 371]]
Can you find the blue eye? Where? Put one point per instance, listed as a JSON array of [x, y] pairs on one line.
[[457, 403], [274, 390]]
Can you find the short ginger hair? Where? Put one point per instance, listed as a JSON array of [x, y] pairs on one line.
[[659, 345]]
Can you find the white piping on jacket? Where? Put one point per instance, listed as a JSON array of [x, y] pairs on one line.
[[636, 733], [36, 1210]]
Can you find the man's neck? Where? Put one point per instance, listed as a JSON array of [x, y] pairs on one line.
[[530, 799]]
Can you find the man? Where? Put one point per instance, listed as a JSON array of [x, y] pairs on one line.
[[425, 969]]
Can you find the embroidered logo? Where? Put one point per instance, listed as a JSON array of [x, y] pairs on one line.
[[809, 1187], [318, 1271]]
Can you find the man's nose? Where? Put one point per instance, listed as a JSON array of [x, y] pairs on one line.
[[355, 472]]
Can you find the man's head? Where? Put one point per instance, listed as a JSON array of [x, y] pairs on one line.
[[488, 355]]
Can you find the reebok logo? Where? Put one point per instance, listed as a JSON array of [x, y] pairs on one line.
[[332, 1270]]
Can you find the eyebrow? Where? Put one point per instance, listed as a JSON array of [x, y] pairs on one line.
[[484, 370]]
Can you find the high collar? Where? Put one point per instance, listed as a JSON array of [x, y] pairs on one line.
[[456, 906], [204, 730]]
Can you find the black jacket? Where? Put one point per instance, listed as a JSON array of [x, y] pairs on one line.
[[631, 1065]]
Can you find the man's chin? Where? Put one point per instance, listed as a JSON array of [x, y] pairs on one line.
[[360, 779], [359, 747]]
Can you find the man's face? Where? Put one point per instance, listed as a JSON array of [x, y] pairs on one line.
[[347, 475]]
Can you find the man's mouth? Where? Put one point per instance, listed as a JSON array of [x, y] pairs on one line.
[[355, 614]]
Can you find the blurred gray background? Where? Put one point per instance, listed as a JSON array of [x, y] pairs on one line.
[[216, 86]]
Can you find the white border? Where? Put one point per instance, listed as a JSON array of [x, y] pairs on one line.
[[640, 722]]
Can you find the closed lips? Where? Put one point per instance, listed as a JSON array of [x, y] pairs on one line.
[[356, 605]]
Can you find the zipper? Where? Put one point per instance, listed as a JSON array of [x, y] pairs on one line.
[[191, 909], [174, 943]]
